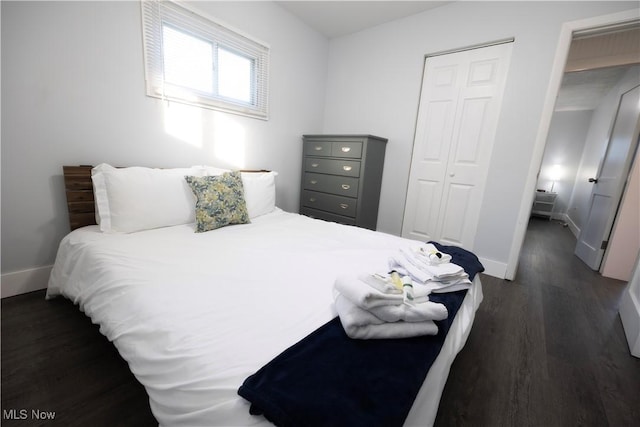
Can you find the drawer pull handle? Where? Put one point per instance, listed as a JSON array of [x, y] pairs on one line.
[[347, 168], [346, 186], [313, 199], [313, 182], [318, 148], [344, 205], [346, 149], [314, 165]]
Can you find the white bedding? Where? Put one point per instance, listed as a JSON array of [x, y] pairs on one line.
[[194, 314]]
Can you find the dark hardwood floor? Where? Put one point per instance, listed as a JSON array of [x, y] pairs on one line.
[[55, 360], [547, 349]]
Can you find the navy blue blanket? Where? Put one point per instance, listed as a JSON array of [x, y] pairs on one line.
[[328, 379]]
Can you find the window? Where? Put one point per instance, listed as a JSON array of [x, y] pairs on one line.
[[191, 59]]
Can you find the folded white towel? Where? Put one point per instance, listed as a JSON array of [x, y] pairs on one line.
[[451, 288], [423, 271], [418, 312], [361, 324], [457, 284], [448, 285], [440, 269], [381, 282], [399, 262], [431, 254], [365, 296]]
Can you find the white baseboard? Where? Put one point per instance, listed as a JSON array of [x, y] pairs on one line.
[[21, 282], [572, 226], [494, 268]]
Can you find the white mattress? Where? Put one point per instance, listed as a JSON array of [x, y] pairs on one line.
[[194, 314]]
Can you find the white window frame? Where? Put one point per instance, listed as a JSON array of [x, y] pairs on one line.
[[156, 14]]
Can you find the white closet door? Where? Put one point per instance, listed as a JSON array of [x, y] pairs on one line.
[[457, 118]]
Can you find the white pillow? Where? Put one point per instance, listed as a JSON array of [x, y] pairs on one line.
[[211, 170], [137, 198], [259, 192]]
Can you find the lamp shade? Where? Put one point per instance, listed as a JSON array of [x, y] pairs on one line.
[[555, 172]]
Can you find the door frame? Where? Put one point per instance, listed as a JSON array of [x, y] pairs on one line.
[[557, 71]]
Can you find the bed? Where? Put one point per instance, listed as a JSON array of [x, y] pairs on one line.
[[195, 314]]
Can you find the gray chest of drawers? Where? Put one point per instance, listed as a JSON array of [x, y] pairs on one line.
[[341, 178]]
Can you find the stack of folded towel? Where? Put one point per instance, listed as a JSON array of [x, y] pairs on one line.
[[372, 306], [396, 304], [430, 268]]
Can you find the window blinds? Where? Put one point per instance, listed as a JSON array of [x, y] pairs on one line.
[[191, 59]]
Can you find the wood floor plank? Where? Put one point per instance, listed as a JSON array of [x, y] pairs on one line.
[[578, 393], [614, 374]]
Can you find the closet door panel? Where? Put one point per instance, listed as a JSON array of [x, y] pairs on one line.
[[425, 211], [432, 144], [455, 221]]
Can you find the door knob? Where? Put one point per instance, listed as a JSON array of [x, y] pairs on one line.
[[594, 180]]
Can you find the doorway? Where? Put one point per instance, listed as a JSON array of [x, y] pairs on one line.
[[585, 142], [585, 68], [582, 133]]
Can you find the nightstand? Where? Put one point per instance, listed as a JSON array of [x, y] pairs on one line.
[[543, 203]]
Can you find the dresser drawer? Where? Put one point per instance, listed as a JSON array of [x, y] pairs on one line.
[[327, 216], [545, 197], [329, 203], [345, 149], [352, 150], [340, 185], [542, 208], [331, 166], [317, 148]]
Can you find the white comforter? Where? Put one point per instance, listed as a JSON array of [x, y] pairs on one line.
[[194, 314]]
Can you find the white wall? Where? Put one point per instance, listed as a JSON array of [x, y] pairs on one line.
[[595, 147], [374, 83], [73, 92], [565, 142]]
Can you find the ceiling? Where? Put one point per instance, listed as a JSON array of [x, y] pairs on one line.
[[595, 64], [583, 90], [339, 18]]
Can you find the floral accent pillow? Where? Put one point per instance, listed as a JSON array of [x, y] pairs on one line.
[[219, 200]]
